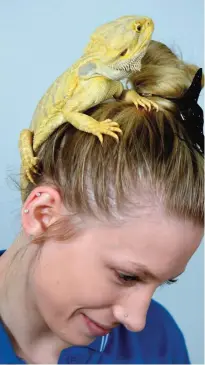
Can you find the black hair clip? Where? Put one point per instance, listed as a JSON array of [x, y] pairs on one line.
[[191, 113], [192, 116]]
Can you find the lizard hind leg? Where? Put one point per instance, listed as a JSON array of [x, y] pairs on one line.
[[29, 162]]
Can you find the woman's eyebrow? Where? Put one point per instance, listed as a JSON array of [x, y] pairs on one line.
[[144, 271]]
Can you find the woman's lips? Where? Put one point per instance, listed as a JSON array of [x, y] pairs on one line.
[[94, 328]]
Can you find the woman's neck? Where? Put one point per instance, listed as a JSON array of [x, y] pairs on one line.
[[33, 341]]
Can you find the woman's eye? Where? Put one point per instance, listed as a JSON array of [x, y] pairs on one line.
[[131, 279]]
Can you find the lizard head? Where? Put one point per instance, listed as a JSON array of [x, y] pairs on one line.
[[122, 43]]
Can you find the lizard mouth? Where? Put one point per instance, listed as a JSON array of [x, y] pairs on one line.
[[132, 64]]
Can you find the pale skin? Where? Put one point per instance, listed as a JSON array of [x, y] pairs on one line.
[[48, 294]]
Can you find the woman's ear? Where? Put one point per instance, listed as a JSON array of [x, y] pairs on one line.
[[42, 208]]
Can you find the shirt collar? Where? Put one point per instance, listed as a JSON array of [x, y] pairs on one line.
[[99, 343]]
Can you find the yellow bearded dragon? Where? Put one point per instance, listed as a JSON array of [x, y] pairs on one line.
[[113, 53]]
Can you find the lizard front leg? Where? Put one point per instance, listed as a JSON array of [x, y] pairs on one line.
[[131, 96], [94, 92], [88, 94], [88, 124]]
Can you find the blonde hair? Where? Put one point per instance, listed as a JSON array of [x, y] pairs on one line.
[[150, 158]]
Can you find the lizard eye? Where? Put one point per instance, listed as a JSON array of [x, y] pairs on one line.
[[138, 27], [123, 53]]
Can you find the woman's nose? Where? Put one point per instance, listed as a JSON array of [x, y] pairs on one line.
[[131, 311]]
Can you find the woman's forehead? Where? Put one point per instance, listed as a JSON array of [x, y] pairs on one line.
[[151, 240]]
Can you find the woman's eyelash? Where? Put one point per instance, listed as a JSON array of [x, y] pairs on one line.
[[125, 278], [132, 279], [171, 281]]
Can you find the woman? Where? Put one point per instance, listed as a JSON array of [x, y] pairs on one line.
[[103, 227]]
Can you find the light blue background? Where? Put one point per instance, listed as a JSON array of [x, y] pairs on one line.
[[39, 39]]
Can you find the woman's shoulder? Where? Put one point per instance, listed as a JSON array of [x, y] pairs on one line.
[[159, 316], [162, 324]]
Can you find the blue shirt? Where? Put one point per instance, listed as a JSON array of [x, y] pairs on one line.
[[161, 342]]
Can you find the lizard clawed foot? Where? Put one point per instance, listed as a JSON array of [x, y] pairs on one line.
[[107, 127], [131, 96], [90, 125], [29, 165], [145, 103]]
